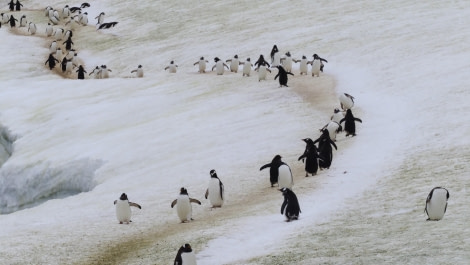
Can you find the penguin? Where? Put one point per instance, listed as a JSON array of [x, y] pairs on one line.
[[171, 67], [333, 128], [96, 73], [317, 65], [275, 57], [436, 203], [303, 65], [282, 74], [49, 30], [32, 28], [100, 18], [262, 71], [63, 64], [261, 61], [23, 21], [247, 67], [5, 18], [85, 5], [51, 60], [81, 73], [346, 101], [290, 206], [70, 54], [68, 66], [123, 209], [280, 173], [53, 47], [139, 72], [234, 63], [107, 25], [350, 125], [59, 34], [286, 62], [11, 5], [75, 60], [311, 157], [337, 115], [104, 72], [46, 10], [12, 21], [18, 5], [84, 19], [68, 43], [202, 64], [215, 191], [324, 149], [185, 256], [183, 206], [219, 66], [68, 34], [65, 12], [74, 9]]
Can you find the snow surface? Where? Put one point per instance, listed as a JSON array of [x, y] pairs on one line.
[[78, 144]]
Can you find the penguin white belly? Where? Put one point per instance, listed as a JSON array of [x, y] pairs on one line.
[[437, 205], [285, 177], [337, 117], [53, 47], [172, 68], [140, 72], [219, 68], [202, 66], [346, 102], [276, 60], [303, 67], [183, 208], [123, 211], [234, 65], [247, 68], [332, 128], [262, 72], [104, 73], [69, 67], [316, 67], [288, 64], [188, 258], [214, 193]]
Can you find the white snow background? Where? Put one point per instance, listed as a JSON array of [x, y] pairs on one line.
[[78, 144]]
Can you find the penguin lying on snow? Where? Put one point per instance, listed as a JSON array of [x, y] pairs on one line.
[[280, 173], [290, 207], [215, 192], [123, 209], [436, 204], [107, 25], [185, 256], [183, 206]]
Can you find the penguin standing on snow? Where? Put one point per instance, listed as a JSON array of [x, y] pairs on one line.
[[215, 192], [68, 43], [290, 207], [287, 62], [311, 157], [303, 65], [219, 66], [202, 64], [51, 60], [324, 149], [123, 209], [104, 72], [183, 206], [23, 21], [139, 72], [18, 5], [262, 71], [350, 125], [337, 115], [279, 172], [436, 203], [171, 67], [317, 65], [234, 63], [275, 57], [100, 18], [185, 256], [346, 101], [49, 30], [11, 5], [333, 128], [81, 73], [282, 74], [32, 28], [247, 67], [12, 21]]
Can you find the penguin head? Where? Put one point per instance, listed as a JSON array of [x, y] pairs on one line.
[[202, 58], [123, 197], [248, 59], [236, 56], [304, 57], [187, 248], [315, 56], [288, 54], [349, 113], [171, 62], [285, 191], [216, 59], [336, 110], [213, 173], [183, 191], [140, 66], [277, 158], [308, 141]]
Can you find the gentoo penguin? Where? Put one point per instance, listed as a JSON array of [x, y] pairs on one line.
[[317, 65], [11, 5], [23, 21], [68, 43], [100, 18], [53, 47], [234, 63], [436, 203], [51, 60], [96, 73], [46, 10], [68, 34], [70, 54], [215, 192], [65, 12], [107, 25], [279, 172], [282, 74], [68, 67], [12, 21], [290, 207], [183, 206], [247, 67], [32, 28], [333, 128], [287, 62], [84, 19], [303, 65], [219, 66], [311, 157], [275, 57], [58, 34], [346, 101], [324, 149], [350, 125], [262, 71], [139, 72], [123, 209], [49, 30], [18, 5], [5, 18], [185, 256], [261, 61], [202, 64], [63, 64], [104, 72], [85, 5], [81, 73], [171, 67], [337, 115]]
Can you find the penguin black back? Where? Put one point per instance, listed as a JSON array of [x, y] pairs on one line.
[[290, 206], [282, 74], [350, 123]]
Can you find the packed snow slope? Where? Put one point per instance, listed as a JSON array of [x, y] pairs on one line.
[[71, 147]]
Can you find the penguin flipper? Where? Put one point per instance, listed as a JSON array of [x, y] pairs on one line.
[[135, 205], [195, 201], [265, 166], [115, 201], [357, 119], [283, 206], [173, 203], [207, 193]]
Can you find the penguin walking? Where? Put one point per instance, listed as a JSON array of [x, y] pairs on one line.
[[65, 12], [333, 129], [303, 65], [311, 157], [84, 19], [325, 150], [290, 206], [12, 21], [262, 71], [68, 43], [185, 256], [23, 21], [436, 203], [18, 5], [215, 191], [11, 5], [346, 101], [100, 18], [275, 57], [49, 30], [282, 74], [123, 209], [5, 18], [104, 72], [53, 47], [280, 173], [234, 63], [219, 66], [202, 64], [286, 62], [63, 64], [139, 72], [51, 60], [337, 115], [171, 67], [80, 73], [96, 73], [317, 65], [183, 206], [58, 34], [32, 28], [247, 67], [350, 123]]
